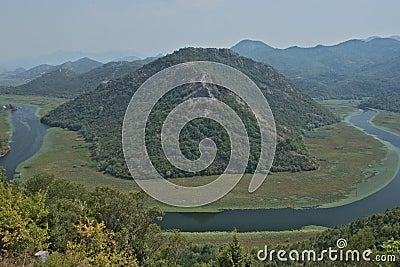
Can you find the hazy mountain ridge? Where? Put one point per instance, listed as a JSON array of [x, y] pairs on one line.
[[59, 57], [106, 105], [32, 73], [337, 71], [79, 66], [65, 82]]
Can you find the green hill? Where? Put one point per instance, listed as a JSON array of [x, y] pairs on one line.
[[81, 65], [33, 73], [99, 115], [351, 69]]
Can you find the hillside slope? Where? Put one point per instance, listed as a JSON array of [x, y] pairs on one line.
[[99, 115]]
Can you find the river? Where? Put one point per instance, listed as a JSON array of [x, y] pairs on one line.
[[28, 135], [290, 219]]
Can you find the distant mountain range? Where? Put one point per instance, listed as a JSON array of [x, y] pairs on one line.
[[351, 69], [58, 57], [71, 79], [79, 66], [99, 114]]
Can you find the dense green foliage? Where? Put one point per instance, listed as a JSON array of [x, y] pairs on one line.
[[385, 101], [377, 232], [5, 128], [23, 221], [233, 254], [106, 227], [99, 115], [352, 69], [68, 82], [4, 147]]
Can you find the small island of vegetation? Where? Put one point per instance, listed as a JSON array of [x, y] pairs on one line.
[[388, 101]]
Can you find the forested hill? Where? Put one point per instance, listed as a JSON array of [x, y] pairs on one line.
[[385, 101], [68, 82], [352, 69], [99, 115]]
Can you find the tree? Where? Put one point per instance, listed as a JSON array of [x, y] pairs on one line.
[[96, 246], [23, 222], [364, 239], [133, 223], [233, 254], [66, 203]]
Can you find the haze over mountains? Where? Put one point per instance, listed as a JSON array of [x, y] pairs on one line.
[[355, 68], [58, 57], [79, 66], [352, 69], [71, 79]]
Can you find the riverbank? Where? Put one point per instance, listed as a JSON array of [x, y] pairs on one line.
[[253, 239], [375, 177], [388, 121], [3, 154], [27, 137], [326, 141], [67, 156], [5, 132], [43, 104], [335, 183]]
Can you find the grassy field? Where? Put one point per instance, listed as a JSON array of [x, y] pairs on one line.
[[341, 108], [388, 120], [44, 104], [253, 239], [372, 167], [65, 155]]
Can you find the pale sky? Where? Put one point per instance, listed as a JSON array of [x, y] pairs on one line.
[[31, 28]]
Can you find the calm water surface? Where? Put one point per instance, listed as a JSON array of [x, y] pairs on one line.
[[27, 137]]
